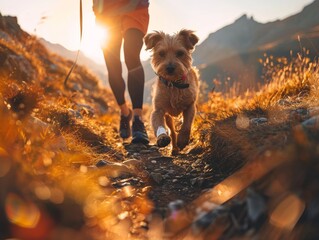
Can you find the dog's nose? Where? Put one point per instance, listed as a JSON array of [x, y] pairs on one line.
[[170, 68]]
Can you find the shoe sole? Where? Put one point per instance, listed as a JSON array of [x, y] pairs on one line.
[[140, 138]]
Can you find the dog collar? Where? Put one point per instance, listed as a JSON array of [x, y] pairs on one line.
[[176, 84]]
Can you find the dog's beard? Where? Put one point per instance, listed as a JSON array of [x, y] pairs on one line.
[[177, 76]]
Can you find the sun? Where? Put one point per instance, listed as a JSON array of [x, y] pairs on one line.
[[94, 37], [101, 33]]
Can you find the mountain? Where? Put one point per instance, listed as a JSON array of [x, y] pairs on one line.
[[99, 70], [232, 53]]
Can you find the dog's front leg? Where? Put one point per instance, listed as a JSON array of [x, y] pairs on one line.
[[159, 127], [184, 133]]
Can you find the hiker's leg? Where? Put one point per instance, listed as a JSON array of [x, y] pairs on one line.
[[112, 58], [133, 42]]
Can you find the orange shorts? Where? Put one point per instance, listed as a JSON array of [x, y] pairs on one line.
[[138, 19]]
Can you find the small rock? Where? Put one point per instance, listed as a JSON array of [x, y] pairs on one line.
[[205, 219], [176, 205], [258, 121], [131, 163], [313, 111], [75, 114], [299, 114], [196, 150], [104, 181], [256, 205], [53, 68], [145, 151], [123, 215], [197, 181], [153, 161], [284, 102], [311, 123], [157, 177], [154, 148], [85, 109], [161, 158], [102, 163], [310, 127], [135, 147], [175, 180], [76, 87]]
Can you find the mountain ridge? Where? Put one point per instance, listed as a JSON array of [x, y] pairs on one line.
[[234, 51]]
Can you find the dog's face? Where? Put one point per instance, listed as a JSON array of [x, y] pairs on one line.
[[171, 57]]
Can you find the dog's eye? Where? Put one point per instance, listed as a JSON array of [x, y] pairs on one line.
[[161, 54], [179, 54]]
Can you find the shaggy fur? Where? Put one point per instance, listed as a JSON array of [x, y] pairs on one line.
[[172, 61]]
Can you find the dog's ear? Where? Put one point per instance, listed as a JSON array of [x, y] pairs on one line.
[[152, 39], [189, 38]]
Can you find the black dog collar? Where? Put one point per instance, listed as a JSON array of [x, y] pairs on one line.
[[176, 84]]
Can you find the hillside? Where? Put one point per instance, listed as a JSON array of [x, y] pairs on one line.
[[98, 69], [233, 52], [250, 171]]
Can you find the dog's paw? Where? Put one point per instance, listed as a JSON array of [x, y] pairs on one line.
[[163, 140], [183, 140]]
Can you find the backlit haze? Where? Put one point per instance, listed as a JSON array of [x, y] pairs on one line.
[[57, 21]]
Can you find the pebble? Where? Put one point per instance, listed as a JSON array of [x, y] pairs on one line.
[[196, 150], [145, 151], [176, 205], [154, 148], [74, 113], [197, 181], [157, 177], [311, 123], [160, 158], [256, 205], [123, 215], [258, 121], [313, 111], [104, 181], [299, 114], [102, 163], [205, 219], [132, 163], [310, 127]]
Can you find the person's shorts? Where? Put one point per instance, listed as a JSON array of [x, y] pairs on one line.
[[138, 19]]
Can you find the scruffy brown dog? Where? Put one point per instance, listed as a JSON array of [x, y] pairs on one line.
[[177, 85]]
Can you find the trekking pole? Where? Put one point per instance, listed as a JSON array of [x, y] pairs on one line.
[[78, 52]]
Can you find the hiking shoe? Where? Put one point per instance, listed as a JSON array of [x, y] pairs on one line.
[[125, 127], [139, 132]]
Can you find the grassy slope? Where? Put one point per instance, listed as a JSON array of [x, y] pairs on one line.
[[51, 136]]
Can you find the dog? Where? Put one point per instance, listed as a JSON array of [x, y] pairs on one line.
[[176, 88]]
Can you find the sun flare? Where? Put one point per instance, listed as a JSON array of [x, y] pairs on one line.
[[94, 37], [101, 33]]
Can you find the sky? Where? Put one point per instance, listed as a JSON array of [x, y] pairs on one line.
[[58, 20]]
